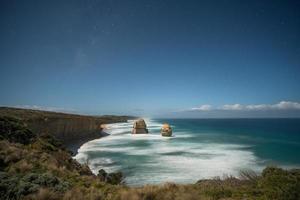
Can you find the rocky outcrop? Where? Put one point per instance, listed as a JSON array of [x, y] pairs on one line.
[[166, 130], [139, 127]]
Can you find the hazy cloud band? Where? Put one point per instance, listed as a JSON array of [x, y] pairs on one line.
[[283, 105]]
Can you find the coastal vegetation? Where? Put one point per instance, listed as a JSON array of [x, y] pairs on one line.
[[35, 165]]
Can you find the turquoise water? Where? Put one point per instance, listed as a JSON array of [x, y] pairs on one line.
[[200, 148]]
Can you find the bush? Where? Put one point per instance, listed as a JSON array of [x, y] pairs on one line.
[[15, 187], [8, 186], [278, 184], [15, 130], [51, 140], [217, 192], [249, 175], [47, 143], [112, 178], [46, 180]]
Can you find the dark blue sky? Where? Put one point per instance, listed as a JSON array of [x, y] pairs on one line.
[[158, 58]]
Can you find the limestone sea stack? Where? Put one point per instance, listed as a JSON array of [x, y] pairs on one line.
[[139, 127], [166, 130]]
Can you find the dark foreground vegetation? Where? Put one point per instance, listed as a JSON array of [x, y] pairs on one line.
[[37, 166]]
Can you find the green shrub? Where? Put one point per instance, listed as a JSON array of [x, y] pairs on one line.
[[218, 192], [8, 186], [112, 178], [51, 140], [15, 130], [278, 184], [15, 186], [46, 180]]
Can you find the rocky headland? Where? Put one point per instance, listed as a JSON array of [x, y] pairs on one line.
[[71, 129]]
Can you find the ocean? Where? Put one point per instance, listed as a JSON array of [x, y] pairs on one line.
[[199, 149]]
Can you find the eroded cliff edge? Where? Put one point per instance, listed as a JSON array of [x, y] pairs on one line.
[[71, 129]]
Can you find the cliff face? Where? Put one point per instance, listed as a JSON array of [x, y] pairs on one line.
[[65, 127]]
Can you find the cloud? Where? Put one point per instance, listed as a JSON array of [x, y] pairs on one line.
[[232, 107], [283, 105], [205, 107], [287, 105]]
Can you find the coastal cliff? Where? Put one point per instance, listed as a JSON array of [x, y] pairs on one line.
[[68, 128]]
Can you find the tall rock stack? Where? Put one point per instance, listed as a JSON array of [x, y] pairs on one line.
[[139, 127], [166, 130]]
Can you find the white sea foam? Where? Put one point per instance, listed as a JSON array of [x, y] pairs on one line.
[[151, 158]]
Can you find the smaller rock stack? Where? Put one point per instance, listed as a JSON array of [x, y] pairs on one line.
[[139, 127], [166, 130]]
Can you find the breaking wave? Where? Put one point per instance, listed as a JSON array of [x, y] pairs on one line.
[[153, 159]]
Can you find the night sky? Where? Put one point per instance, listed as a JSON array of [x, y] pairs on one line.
[[161, 58]]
